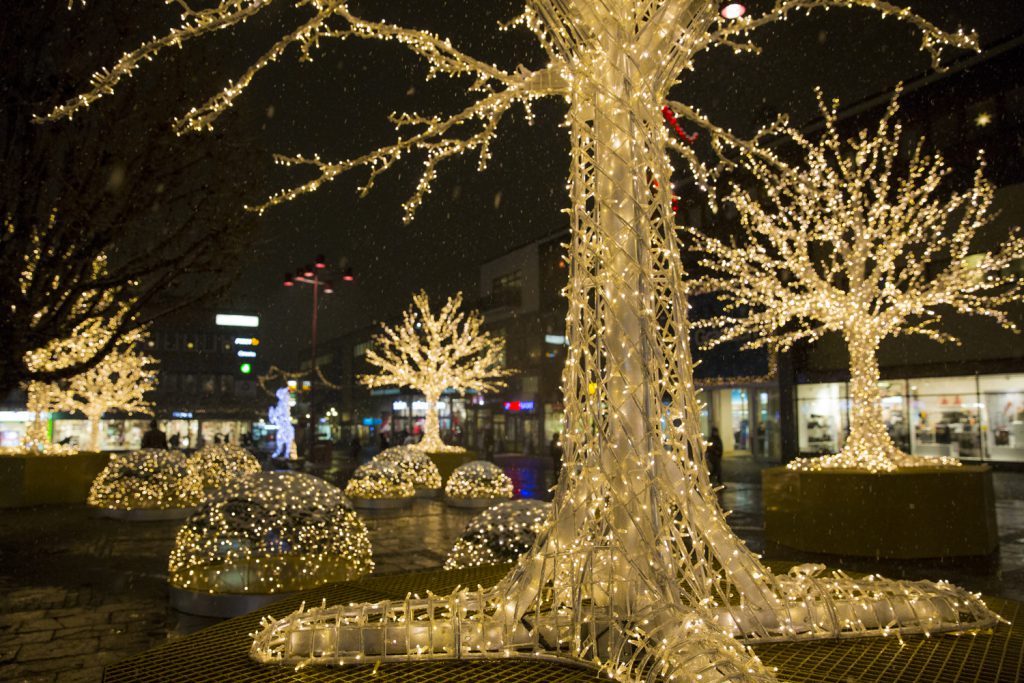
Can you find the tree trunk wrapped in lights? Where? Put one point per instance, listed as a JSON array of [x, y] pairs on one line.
[[638, 573], [848, 241], [431, 353]]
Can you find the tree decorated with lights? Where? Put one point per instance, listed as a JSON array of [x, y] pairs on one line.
[[852, 239], [119, 382], [431, 353], [638, 573], [92, 337]]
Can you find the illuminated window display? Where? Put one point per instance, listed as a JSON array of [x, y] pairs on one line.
[[972, 417]]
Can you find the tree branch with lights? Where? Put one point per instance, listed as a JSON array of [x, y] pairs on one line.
[[638, 574], [431, 353], [119, 382], [855, 239]]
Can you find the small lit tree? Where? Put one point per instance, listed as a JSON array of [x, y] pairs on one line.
[[119, 382], [854, 240], [431, 353]]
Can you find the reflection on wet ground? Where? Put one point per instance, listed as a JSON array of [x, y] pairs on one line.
[[78, 592]]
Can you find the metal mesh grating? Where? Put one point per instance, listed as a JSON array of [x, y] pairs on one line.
[[221, 652]]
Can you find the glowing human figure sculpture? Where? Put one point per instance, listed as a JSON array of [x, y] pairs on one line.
[[638, 573], [280, 415]]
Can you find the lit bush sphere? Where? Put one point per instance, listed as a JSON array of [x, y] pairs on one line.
[[214, 465], [270, 532], [412, 464], [149, 479], [478, 479], [374, 481], [499, 534]]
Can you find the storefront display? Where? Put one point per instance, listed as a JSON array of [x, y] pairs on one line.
[[971, 417]]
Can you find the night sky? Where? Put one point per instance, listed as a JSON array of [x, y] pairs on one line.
[[338, 104]]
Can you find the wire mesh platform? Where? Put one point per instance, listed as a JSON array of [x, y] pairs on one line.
[[221, 653]]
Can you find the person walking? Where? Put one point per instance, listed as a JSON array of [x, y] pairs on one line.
[[154, 438], [714, 456]]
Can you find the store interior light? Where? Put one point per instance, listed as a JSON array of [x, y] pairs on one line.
[[733, 10]]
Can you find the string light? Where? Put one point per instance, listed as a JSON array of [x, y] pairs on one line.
[[638, 574], [848, 240], [478, 480], [150, 479], [431, 353], [216, 464], [499, 534], [270, 532], [376, 481], [413, 465]]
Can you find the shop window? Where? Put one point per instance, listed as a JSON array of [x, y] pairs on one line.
[[946, 417], [823, 419], [1002, 406]]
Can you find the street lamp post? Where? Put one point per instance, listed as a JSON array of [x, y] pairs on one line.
[[312, 275]]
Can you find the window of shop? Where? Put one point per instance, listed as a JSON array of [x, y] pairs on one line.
[[972, 417]]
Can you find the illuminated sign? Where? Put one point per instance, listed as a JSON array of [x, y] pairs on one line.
[[245, 368], [556, 339], [235, 320], [371, 421], [242, 353], [247, 341], [181, 415], [399, 405], [518, 406]]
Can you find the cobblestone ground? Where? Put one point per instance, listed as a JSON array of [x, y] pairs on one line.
[[79, 592]]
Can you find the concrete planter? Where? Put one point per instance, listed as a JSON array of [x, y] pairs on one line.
[[473, 503], [221, 605], [30, 479], [381, 503], [912, 513], [144, 514]]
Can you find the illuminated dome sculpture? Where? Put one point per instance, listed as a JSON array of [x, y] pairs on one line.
[[149, 484], [413, 465], [376, 486], [262, 535], [212, 466], [477, 484], [499, 534]]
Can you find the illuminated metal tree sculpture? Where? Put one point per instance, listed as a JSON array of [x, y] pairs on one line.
[[855, 240], [431, 353], [638, 573], [119, 382]]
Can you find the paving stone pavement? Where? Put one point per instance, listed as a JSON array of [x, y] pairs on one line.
[[78, 592]]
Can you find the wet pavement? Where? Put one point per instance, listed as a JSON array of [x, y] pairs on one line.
[[78, 592]]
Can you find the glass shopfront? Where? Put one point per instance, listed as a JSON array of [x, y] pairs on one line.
[[747, 419], [973, 417]]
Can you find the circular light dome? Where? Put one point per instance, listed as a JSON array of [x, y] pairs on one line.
[[270, 532], [378, 482], [212, 466], [413, 465], [499, 534], [147, 480], [478, 480]]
